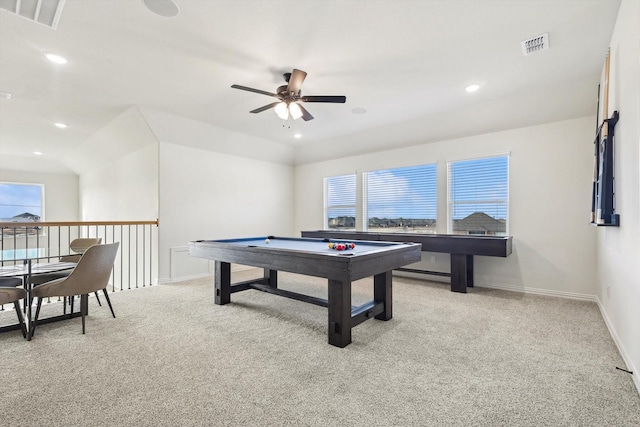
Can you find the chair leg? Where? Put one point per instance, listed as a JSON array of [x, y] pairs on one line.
[[23, 326], [72, 299], [106, 296], [84, 304], [98, 298], [32, 325]]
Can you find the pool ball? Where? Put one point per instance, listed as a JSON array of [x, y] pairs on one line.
[[267, 241]]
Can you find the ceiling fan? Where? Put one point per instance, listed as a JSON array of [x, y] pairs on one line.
[[289, 97]]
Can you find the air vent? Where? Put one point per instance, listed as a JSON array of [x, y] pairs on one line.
[[535, 44], [45, 12]]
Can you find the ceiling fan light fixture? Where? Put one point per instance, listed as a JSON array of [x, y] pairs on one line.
[[282, 111], [295, 111]]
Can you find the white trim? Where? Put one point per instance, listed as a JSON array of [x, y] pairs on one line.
[[479, 156], [623, 352], [539, 291], [165, 281], [524, 289], [173, 252]]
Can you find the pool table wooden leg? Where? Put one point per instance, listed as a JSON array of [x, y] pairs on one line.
[[382, 292], [339, 313], [222, 289], [272, 277]]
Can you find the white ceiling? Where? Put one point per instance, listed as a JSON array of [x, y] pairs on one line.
[[406, 62]]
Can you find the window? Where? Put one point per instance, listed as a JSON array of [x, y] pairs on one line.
[[340, 202], [401, 200], [478, 196], [20, 203]]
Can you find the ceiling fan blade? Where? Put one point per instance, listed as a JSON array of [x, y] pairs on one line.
[[306, 116], [340, 99], [250, 89], [295, 81], [266, 107]]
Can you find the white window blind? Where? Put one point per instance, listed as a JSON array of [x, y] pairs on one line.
[[401, 199], [478, 196], [340, 202]]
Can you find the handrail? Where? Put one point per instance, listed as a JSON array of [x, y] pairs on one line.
[[73, 223], [138, 253]]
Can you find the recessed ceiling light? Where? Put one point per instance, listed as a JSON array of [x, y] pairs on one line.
[[472, 88], [5, 95], [55, 58], [297, 135], [60, 125], [37, 153]]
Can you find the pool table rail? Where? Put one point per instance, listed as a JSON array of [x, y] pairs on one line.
[[333, 265]]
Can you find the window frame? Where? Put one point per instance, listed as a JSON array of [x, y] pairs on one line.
[[506, 200], [327, 208], [41, 207], [431, 168]]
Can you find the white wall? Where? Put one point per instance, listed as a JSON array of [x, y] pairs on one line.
[[125, 189], [119, 164], [119, 182], [619, 247], [550, 192], [210, 195], [189, 176], [61, 192]]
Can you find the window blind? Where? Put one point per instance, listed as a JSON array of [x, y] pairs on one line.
[[340, 202], [478, 196], [401, 199]]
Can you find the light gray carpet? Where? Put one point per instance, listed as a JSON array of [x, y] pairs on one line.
[[173, 358]]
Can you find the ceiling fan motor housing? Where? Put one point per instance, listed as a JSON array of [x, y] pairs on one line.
[[282, 92]]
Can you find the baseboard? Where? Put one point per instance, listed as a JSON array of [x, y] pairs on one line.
[[176, 279], [623, 352], [167, 280], [538, 291]]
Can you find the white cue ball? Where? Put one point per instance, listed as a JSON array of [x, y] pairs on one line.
[[266, 241]]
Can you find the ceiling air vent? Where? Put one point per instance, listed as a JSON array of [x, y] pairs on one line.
[[535, 44], [45, 12]]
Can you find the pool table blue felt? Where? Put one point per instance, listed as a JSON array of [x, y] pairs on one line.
[[308, 245]]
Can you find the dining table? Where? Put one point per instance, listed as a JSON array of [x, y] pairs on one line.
[[32, 264]]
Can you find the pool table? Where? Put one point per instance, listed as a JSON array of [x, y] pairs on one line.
[[312, 257], [461, 249]]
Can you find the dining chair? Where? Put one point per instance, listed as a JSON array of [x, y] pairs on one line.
[[90, 275], [76, 245], [12, 292], [79, 246]]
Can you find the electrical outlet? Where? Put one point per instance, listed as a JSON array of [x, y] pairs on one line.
[[433, 259], [608, 291]]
